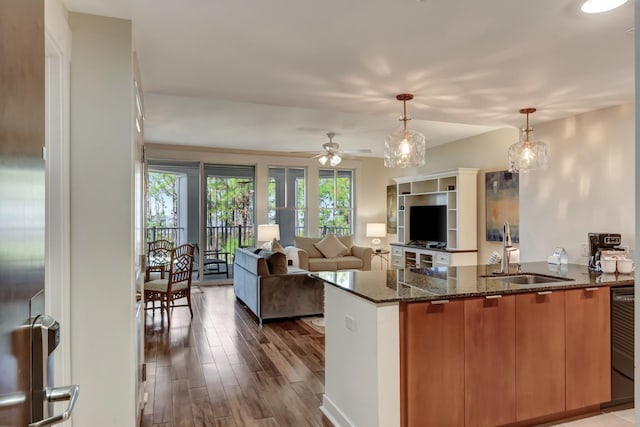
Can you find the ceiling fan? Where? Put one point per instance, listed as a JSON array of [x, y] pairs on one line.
[[332, 153]]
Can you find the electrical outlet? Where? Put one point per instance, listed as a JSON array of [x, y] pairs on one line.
[[349, 323], [585, 249]]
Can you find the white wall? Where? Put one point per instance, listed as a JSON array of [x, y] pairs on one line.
[[371, 178], [589, 185], [637, 207], [362, 361], [102, 228]]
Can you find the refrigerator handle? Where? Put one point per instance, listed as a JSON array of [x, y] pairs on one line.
[[59, 394]]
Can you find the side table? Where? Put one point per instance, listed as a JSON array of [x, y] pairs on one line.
[[383, 254]]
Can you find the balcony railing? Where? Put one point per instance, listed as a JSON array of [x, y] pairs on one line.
[[227, 238], [172, 234], [338, 231], [223, 238]]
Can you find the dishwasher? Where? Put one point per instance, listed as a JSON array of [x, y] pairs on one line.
[[622, 341]]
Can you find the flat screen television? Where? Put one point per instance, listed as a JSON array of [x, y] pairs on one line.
[[428, 224]]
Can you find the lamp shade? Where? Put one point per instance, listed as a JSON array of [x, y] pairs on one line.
[[268, 232], [375, 229]]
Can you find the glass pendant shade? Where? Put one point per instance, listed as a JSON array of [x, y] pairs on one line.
[[526, 155], [323, 159], [405, 147]]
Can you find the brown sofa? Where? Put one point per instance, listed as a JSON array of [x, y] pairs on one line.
[[307, 256], [271, 289]]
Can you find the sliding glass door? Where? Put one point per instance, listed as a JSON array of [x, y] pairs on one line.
[[223, 221], [228, 212]]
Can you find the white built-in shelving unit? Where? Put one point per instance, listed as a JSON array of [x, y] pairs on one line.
[[457, 190]]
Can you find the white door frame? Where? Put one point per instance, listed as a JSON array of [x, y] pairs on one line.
[[57, 223]]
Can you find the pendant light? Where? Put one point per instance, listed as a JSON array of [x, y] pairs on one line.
[[405, 147], [526, 155]]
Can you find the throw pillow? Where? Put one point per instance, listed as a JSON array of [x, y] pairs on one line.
[[277, 263], [307, 245], [276, 246], [348, 242], [331, 247]]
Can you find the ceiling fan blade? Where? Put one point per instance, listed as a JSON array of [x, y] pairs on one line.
[[357, 151]]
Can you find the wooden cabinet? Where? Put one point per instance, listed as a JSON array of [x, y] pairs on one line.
[[490, 363], [588, 354], [456, 189], [540, 354], [432, 364], [511, 359]]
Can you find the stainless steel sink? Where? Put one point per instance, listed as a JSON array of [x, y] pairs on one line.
[[526, 278]]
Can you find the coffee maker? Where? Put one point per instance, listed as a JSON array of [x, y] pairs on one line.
[[600, 242]]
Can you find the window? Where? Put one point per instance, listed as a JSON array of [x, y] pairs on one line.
[[287, 202], [336, 201], [229, 208], [171, 186]]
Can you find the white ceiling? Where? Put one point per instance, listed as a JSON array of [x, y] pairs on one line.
[[279, 74]]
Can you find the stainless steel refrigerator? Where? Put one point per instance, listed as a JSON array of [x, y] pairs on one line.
[[28, 338]]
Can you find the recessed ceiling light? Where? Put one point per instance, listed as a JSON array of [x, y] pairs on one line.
[[599, 6]]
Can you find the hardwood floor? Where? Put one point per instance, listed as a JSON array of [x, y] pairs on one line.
[[223, 369]]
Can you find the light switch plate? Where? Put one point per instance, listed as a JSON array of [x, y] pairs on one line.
[[349, 323]]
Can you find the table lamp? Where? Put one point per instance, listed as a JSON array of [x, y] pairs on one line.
[[268, 232], [376, 230]]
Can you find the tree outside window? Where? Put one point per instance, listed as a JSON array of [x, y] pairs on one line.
[[162, 205], [287, 202], [336, 201]]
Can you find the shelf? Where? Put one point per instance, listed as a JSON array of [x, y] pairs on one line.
[[429, 186], [456, 189]]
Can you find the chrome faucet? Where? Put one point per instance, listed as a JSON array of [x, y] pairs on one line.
[[506, 247]]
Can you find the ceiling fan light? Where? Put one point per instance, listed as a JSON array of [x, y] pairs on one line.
[[404, 147], [323, 159], [335, 160], [599, 6]]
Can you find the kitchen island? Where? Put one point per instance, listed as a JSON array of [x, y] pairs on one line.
[[459, 346]]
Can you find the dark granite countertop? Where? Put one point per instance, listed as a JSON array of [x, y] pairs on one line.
[[405, 285]]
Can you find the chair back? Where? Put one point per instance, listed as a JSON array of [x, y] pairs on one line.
[[159, 253], [181, 266]]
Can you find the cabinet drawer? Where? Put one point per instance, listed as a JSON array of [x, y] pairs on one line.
[[396, 251], [442, 259]]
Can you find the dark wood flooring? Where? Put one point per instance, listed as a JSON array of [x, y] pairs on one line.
[[222, 368]]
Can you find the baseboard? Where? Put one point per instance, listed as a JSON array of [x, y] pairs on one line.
[[219, 282], [333, 413]]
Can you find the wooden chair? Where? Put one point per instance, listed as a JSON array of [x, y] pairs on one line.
[[176, 286], [159, 255]]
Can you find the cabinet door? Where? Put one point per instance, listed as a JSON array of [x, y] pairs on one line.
[[588, 358], [540, 354], [490, 365], [432, 364]]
